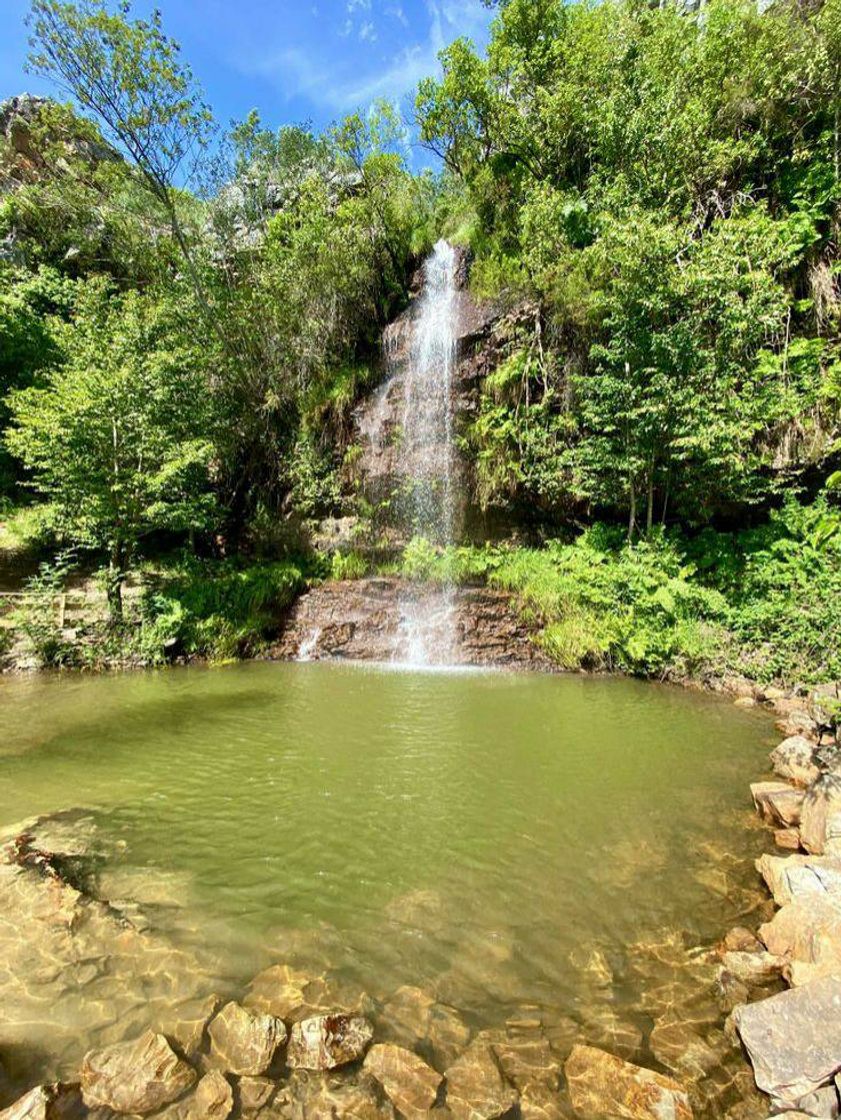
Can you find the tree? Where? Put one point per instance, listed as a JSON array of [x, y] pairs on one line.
[[117, 436], [130, 75]]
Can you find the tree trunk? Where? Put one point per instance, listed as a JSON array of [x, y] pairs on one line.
[[649, 513], [116, 576], [632, 516]]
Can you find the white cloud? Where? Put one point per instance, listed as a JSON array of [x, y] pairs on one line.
[[367, 32]]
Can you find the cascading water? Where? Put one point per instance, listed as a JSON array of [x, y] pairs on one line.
[[427, 453]]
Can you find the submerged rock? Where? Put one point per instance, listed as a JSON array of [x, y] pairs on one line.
[[243, 1042], [213, 1098], [601, 1084], [46, 1102], [794, 1039], [412, 1018], [476, 1089], [320, 1096], [328, 1041], [138, 1076], [410, 1084], [254, 1093], [754, 968], [794, 760]]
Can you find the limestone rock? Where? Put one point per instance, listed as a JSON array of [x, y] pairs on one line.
[[46, 1102], [794, 1039], [476, 1089], [255, 1093], [410, 1084], [138, 1076], [823, 1103], [243, 1042], [808, 934], [328, 1041], [778, 802], [794, 760], [603, 1085], [788, 838], [411, 1017]]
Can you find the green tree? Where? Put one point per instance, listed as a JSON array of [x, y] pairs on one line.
[[118, 435]]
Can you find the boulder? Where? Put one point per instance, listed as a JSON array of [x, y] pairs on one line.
[[778, 802], [600, 1084], [788, 838], [808, 934], [794, 760], [411, 1017], [820, 824], [138, 1076], [476, 1089], [539, 1103], [754, 968], [328, 1041], [798, 876], [244, 1042], [410, 1084], [46, 1102], [794, 1039], [254, 1093], [680, 1048], [325, 1096], [213, 1098], [187, 1024], [741, 940], [528, 1061], [823, 1103]]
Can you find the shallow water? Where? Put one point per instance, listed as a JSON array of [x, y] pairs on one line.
[[481, 835]]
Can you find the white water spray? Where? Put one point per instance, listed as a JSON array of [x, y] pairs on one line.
[[427, 453]]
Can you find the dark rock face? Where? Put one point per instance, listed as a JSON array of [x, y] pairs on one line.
[[360, 620]]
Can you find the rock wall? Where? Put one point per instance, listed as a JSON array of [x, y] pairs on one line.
[[360, 620]]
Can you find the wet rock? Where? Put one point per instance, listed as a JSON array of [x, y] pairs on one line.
[[254, 1093], [788, 838], [797, 876], [794, 1039], [292, 994], [601, 1084], [328, 1041], [46, 1102], [820, 825], [732, 991], [320, 1096], [412, 1018], [476, 1089], [187, 1025], [244, 1042], [794, 760], [528, 1062], [778, 802], [754, 968], [592, 965], [410, 1084], [741, 940], [539, 1103], [681, 1049], [138, 1076], [213, 1098], [602, 1027]]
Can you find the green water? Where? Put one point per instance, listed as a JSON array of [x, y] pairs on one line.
[[302, 808]]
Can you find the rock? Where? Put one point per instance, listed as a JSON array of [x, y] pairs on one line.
[[328, 1041], [528, 1061], [410, 1084], [681, 1049], [794, 1039], [539, 1103], [778, 802], [46, 1102], [788, 838], [138, 1076], [741, 940], [794, 760], [243, 1042], [797, 721], [411, 1017], [744, 702], [188, 1024], [754, 968], [213, 1098], [823, 1103], [476, 1089], [792, 877], [254, 1093], [291, 994], [604, 1028], [731, 991], [600, 1084], [820, 825], [808, 934]]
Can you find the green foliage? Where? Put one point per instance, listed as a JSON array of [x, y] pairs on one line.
[[37, 616]]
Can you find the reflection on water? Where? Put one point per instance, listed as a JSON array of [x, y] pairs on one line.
[[512, 846]]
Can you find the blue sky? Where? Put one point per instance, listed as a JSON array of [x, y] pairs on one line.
[[294, 61]]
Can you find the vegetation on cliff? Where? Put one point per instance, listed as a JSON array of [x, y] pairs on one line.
[[187, 320]]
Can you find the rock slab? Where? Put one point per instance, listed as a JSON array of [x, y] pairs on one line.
[[328, 1041], [476, 1089], [138, 1076], [244, 1042], [602, 1085], [410, 1084], [794, 1039]]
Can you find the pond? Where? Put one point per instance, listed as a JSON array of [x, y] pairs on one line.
[[520, 847]]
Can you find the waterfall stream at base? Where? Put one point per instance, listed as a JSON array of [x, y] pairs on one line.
[[428, 454]]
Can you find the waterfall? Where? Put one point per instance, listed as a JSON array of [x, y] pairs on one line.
[[427, 452]]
